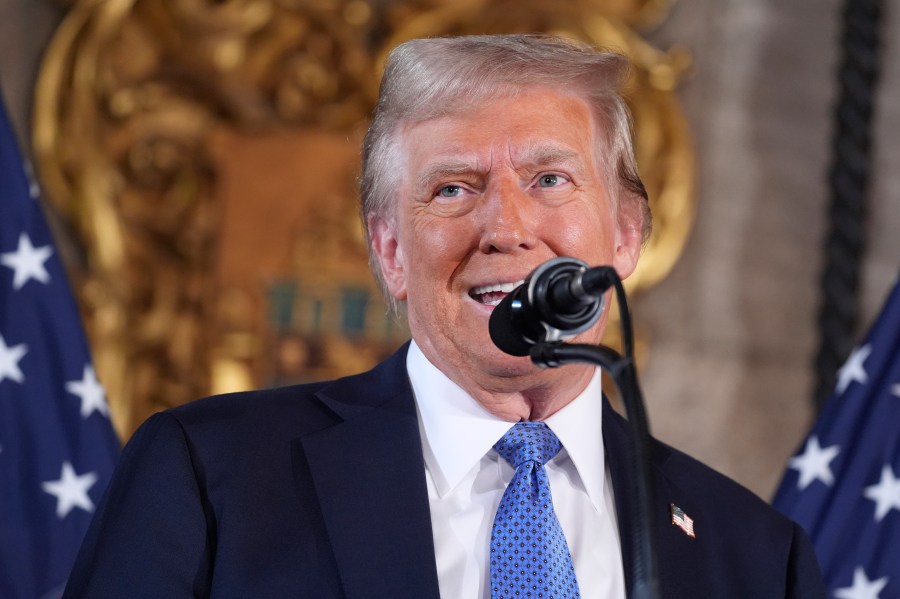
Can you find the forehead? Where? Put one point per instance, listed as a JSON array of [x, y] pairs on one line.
[[531, 126]]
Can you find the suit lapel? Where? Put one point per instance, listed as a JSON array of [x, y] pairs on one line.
[[369, 474], [677, 554], [620, 457]]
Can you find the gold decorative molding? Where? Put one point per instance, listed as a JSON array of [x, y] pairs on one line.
[[204, 155]]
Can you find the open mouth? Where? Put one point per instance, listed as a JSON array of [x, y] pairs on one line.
[[491, 295]]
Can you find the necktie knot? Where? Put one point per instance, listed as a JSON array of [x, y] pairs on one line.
[[528, 442]]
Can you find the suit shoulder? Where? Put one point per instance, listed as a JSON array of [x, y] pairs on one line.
[[717, 493], [758, 551], [699, 486], [248, 403], [297, 409]]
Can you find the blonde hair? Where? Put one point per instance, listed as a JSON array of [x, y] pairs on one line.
[[428, 78]]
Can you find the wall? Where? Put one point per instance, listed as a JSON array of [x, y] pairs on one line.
[[25, 28], [733, 332]]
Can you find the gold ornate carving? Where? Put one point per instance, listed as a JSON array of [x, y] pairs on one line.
[[204, 154]]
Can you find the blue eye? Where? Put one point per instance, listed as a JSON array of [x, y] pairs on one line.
[[549, 180], [449, 191]]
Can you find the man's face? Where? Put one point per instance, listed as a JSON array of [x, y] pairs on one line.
[[487, 195]]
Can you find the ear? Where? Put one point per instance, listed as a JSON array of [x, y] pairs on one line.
[[629, 235], [389, 253]]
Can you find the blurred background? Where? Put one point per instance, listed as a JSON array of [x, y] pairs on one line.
[[198, 162]]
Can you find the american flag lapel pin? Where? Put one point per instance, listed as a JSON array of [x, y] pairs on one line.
[[682, 520]]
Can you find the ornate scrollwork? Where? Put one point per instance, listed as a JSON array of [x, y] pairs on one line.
[[163, 128]]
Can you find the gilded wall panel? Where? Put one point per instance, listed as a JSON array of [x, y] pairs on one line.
[[205, 154]]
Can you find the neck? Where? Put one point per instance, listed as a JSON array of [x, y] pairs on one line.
[[532, 400]]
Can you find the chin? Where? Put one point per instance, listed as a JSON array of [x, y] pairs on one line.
[[503, 365]]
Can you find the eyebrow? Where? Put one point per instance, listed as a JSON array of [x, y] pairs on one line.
[[534, 156], [445, 169], [541, 154]]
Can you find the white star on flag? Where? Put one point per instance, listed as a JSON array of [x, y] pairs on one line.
[[886, 494], [71, 490], [814, 463], [9, 361], [862, 587], [90, 391], [44, 440], [853, 370], [895, 390], [27, 262]]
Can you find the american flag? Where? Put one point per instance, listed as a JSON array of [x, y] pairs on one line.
[[843, 486], [682, 520], [57, 446]]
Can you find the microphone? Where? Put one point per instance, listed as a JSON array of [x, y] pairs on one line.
[[560, 298], [564, 297]]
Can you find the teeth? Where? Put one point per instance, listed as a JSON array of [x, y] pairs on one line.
[[499, 287]]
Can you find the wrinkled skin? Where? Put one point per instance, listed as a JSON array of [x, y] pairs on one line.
[[486, 196]]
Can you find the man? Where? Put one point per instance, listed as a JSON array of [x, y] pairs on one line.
[[486, 157]]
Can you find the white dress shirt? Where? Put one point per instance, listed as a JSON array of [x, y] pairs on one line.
[[466, 479]]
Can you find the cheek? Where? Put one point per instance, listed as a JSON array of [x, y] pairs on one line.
[[439, 247], [584, 232], [442, 239]]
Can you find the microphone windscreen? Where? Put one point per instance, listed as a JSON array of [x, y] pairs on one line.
[[503, 331]]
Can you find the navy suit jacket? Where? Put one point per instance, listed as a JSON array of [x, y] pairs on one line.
[[319, 491]]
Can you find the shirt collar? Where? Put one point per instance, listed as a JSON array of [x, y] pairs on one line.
[[457, 431], [579, 427]]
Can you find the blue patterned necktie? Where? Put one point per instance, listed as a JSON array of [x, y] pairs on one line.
[[529, 554]]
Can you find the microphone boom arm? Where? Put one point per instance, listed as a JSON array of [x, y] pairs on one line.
[[552, 354]]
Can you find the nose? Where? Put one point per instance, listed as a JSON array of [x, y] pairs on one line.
[[507, 220]]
